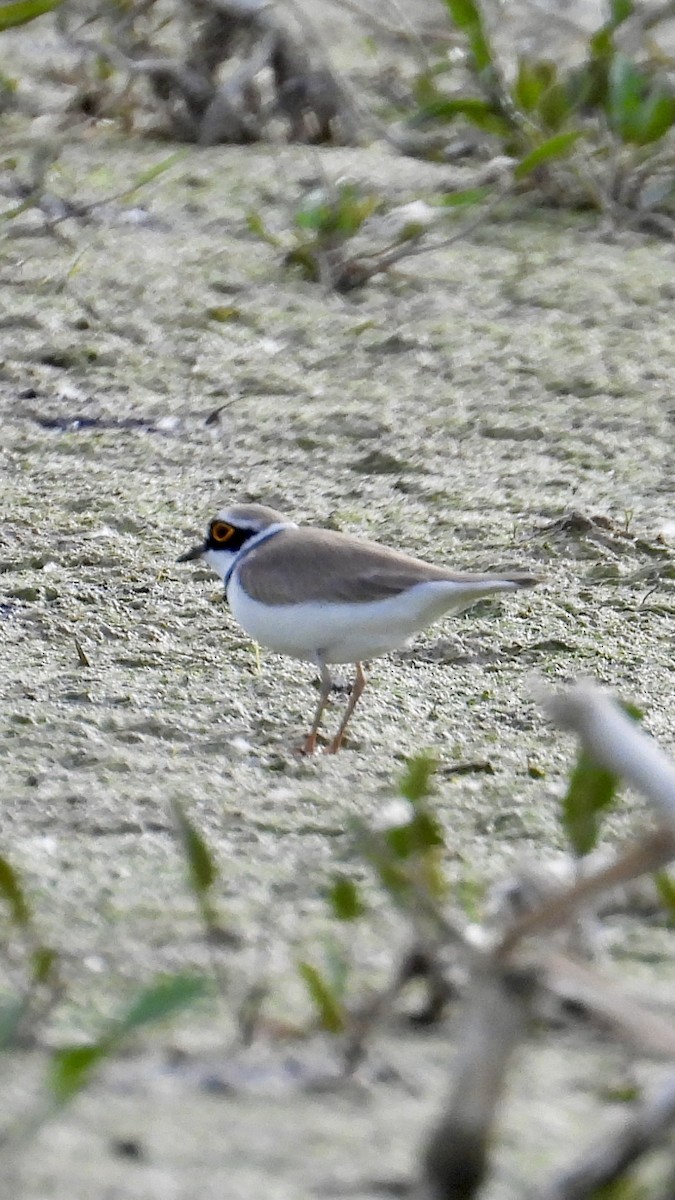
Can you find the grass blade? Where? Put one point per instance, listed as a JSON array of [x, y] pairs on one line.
[[467, 16], [328, 1007], [71, 1068], [162, 1000], [12, 892], [554, 147], [202, 869]]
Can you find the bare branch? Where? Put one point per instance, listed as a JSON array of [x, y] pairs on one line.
[[455, 1159], [649, 854], [645, 1031], [607, 1161]]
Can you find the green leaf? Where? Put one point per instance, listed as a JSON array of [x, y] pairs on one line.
[[656, 116], [620, 11], [625, 98], [554, 147], [316, 217], [11, 1014], [341, 212], [43, 960], [467, 197], [591, 791], [305, 257], [345, 899], [71, 1068], [534, 78], [555, 106], [160, 1001], [482, 113], [665, 889], [202, 870], [331, 1012], [586, 86], [19, 12], [601, 43], [416, 782], [419, 835], [257, 226], [378, 855], [12, 892], [468, 17], [223, 313]]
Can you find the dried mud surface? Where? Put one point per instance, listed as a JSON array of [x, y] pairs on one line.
[[462, 410]]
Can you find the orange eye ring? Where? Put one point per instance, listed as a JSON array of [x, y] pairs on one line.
[[221, 532]]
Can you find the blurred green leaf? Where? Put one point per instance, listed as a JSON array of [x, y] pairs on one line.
[[329, 1008], [591, 791], [665, 888], [534, 78], [257, 226], [555, 106], [656, 116], [12, 892], [420, 834], [482, 113], [554, 147], [470, 895], [11, 1013], [416, 782], [625, 98], [601, 43], [160, 1001], [378, 855], [342, 211], [467, 16], [467, 197], [315, 217], [223, 313], [19, 12], [620, 11], [159, 168], [586, 85], [71, 1068], [202, 870], [43, 960], [345, 899], [305, 257]]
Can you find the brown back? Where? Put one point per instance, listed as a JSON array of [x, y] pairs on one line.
[[318, 564]]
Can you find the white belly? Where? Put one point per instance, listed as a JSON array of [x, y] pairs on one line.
[[344, 633]]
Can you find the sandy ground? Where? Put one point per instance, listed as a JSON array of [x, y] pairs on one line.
[[456, 409]]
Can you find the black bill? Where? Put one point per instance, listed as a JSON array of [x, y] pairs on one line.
[[192, 554]]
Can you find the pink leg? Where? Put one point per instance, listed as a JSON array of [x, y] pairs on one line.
[[354, 696], [309, 744]]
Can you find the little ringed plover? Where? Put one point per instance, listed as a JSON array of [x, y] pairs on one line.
[[327, 597]]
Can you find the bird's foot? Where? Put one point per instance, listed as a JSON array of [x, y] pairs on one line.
[[335, 744], [308, 747]]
